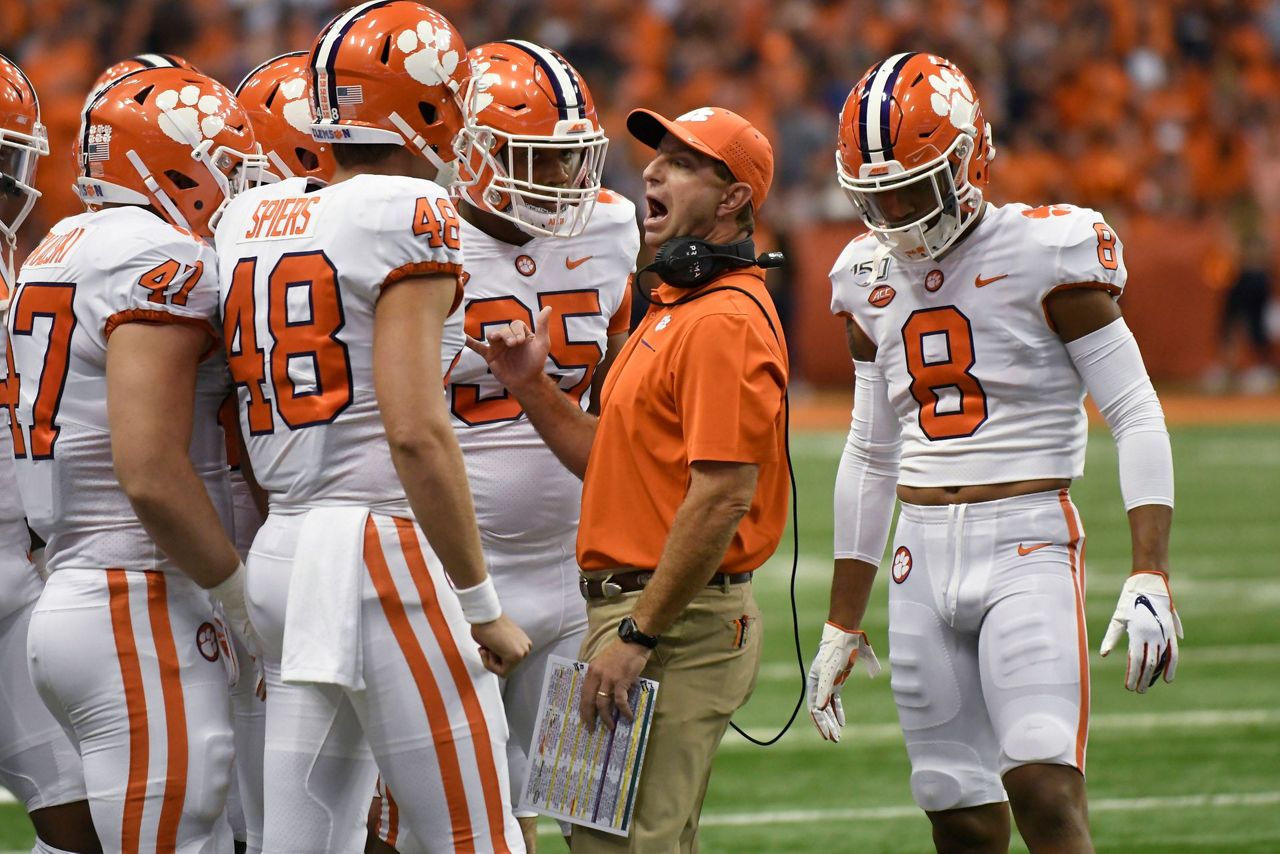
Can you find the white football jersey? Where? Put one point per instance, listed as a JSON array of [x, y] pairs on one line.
[[302, 267], [10, 502], [93, 272], [522, 493], [982, 384]]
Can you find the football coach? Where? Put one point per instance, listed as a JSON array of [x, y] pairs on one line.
[[685, 481]]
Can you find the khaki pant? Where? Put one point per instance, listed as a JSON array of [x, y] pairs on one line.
[[706, 670]]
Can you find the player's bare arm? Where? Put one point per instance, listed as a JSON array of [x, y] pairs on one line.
[[151, 381], [719, 496], [406, 346], [517, 356]]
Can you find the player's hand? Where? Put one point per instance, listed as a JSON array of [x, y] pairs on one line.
[[503, 644], [516, 354], [607, 685], [837, 653], [1146, 612]]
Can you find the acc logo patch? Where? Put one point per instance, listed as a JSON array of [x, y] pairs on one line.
[[526, 266], [881, 296], [901, 564], [933, 280], [207, 641]]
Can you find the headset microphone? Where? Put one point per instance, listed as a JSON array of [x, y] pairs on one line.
[[770, 260]]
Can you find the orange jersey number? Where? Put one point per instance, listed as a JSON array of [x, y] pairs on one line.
[[53, 301], [245, 358], [308, 279], [303, 284], [158, 279], [439, 226], [1107, 256], [944, 367], [566, 354], [9, 389]]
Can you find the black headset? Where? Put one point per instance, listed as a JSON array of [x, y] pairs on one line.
[[688, 262]]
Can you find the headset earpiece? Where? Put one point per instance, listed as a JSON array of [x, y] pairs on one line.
[[687, 262]]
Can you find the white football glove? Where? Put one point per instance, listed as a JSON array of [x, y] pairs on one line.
[[836, 656], [1146, 611]]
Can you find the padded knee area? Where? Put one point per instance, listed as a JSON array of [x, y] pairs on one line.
[[1037, 738], [207, 796], [934, 789]]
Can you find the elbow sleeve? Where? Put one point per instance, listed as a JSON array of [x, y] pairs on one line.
[[868, 472], [1109, 362]]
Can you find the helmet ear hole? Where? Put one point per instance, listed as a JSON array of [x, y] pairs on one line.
[[142, 94], [428, 112], [307, 158], [180, 180]]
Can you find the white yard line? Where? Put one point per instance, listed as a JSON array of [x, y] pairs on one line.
[[787, 671], [1251, 799], [893, 813], [1098, 724]]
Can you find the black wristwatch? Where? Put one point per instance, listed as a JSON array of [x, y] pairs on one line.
[[630, 633]]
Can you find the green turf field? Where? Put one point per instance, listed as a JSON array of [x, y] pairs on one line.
[[1193, 766]]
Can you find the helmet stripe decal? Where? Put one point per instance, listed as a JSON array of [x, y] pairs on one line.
[[862, 113], [568, 95], [326, 53], [879, 97], [155, 60], [263, 65], [886, 132]]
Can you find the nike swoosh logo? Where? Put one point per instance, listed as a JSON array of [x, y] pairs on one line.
[[1023, 551], [979, 282], [575, 263]]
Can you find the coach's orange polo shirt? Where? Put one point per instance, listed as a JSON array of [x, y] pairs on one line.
[[700, 381]]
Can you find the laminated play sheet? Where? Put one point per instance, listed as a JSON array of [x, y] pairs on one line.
[[583, 776]]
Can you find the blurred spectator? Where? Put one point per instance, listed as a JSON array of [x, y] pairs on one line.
[[1164, 108], [1242, 269]]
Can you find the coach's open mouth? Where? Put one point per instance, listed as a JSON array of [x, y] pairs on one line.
[[657, 213]]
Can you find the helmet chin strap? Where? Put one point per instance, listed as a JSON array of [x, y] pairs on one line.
[[418, 143], [278, 162], [158, 194]]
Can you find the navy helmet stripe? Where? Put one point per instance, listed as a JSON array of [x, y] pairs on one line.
[[863, 104], [330, 43], [886, 132], [556, 75]]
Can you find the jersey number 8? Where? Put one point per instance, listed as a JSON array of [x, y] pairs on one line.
[[939, 348]]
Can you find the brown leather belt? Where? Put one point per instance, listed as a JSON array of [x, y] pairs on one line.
[[629, 581]]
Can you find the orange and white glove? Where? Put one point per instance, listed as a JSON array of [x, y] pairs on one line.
[[837, 653], [1147, 613]]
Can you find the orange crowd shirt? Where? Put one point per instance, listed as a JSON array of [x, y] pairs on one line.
[[701, 381]]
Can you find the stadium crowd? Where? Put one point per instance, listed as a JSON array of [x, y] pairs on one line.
[[1171, 110], [1158, 108]]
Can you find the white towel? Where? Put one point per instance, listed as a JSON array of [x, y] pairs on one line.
[[322, 616]]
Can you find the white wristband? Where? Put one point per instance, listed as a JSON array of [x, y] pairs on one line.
[[480, 603]]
